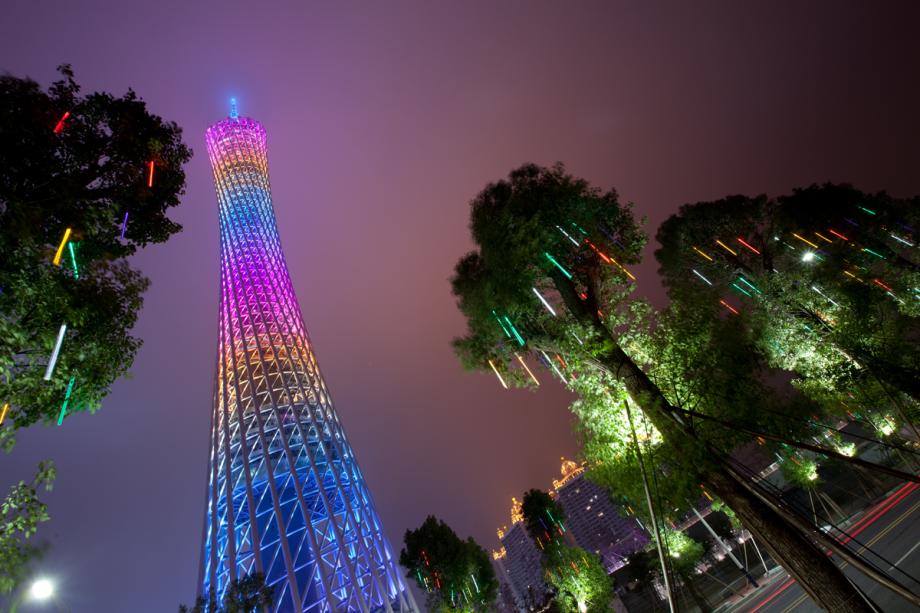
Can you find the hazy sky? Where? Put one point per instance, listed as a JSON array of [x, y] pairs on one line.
[[384, 119]]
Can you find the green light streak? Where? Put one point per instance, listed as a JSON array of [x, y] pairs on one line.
[[499, 320], [749, 284], [66, 401], [557, 265], [579, 228], [739, 288], [73, 260], [878, 255], [513, 329], [870, 211]]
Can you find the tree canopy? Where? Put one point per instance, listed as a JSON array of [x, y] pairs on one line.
[[577, 578], [85, 180], [549, 282], [456, 574], [247, 594], [20, 514]]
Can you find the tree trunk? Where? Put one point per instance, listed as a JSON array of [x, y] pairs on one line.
[[802, 559]]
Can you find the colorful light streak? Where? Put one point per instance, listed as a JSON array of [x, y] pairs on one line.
[[517, 336], [743, 291], [698, 274], [54, 353], [882, 285], [726, 247], [524, 364], [749, 284], [869, 211], [577, 338], [6, 408], [878, 255], [600, 253], [150, 175], [729, 307], [824, 238], [558, 265], [566, 234], [543, 300], [60, 250], [60, 420], [498, 374], [124, 225], [745, 244], [579, 228], [838, 234], [703, 254], [823, 295], [805, 240], [501, 323], [73, 260], [553, 366], [60, 124], [901, 240]]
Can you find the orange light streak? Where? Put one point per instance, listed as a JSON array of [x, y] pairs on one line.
[[524, 364], [805, 240], [497, 374], [726, 247], [150, 176], [6, 407], [838, 234], [822, 237], [703, 254], [728, 306], [848, 273], [740, 240]]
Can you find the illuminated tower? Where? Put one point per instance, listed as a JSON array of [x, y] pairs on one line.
[[285, 494]]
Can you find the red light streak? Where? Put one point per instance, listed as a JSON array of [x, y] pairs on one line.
[[598, 251], [870, 518], [838, 234], [882, 285], [150, 177], [740, 240], [60, 125]]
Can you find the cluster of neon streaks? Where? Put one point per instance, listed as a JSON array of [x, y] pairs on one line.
[[285, 494], [809, 255]]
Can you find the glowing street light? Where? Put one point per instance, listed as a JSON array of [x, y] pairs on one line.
[[809, 256], [41, 589]]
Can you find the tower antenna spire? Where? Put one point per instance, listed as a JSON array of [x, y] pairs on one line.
[[234, 111]]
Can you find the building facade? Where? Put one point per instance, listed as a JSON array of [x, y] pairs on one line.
[[594, 521], [285, 494], [519, 563]]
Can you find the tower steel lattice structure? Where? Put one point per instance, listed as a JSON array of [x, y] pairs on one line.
[[285, 494]]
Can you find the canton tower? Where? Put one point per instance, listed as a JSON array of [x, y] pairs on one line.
[[285, 495]]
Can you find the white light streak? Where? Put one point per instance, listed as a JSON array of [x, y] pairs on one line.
[[54, 354], [543, 300], [701, 276]]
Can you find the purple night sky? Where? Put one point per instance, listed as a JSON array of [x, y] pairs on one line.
[[384, 119]]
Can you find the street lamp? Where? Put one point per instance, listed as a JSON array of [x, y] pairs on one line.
[[42, 589]]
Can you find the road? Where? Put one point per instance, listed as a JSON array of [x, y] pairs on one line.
[[892, 529]]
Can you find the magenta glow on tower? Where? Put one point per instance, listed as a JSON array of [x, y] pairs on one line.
[[285, 495]]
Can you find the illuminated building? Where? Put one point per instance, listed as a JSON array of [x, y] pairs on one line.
[[285, 495], [594, 521], [519, 563]]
